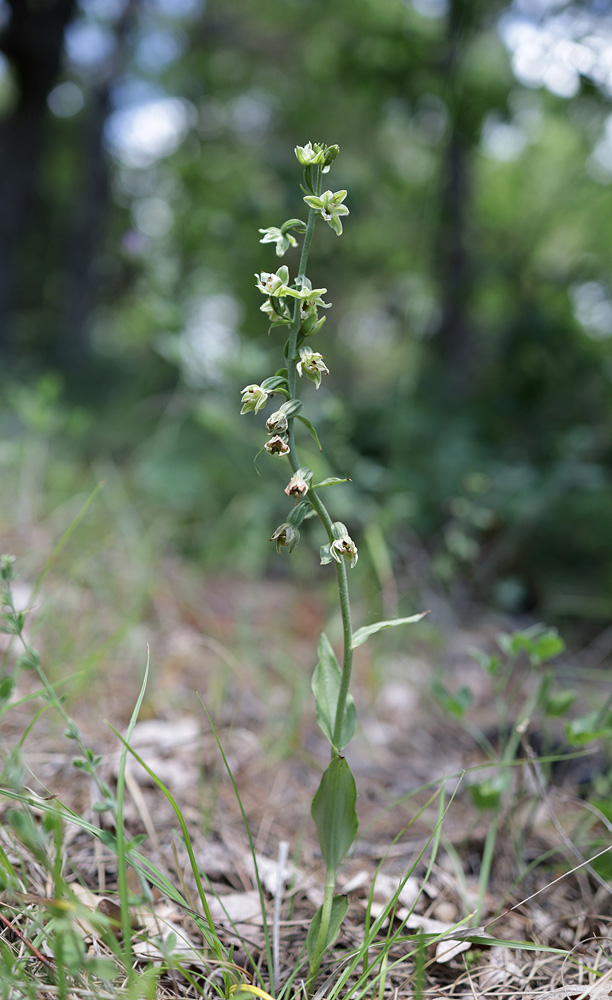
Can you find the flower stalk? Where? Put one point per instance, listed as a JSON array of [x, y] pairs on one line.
[[295, 305]]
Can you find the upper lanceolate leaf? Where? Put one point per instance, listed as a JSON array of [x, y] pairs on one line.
[[360, 636], [326, 688]]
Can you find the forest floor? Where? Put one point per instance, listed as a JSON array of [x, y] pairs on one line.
[[245, 651]]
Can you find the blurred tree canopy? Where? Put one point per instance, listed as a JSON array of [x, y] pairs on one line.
[[143, 143]]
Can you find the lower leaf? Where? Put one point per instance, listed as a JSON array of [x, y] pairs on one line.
[[338, 913]]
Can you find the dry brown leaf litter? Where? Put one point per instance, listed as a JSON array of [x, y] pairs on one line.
[[402, 745]]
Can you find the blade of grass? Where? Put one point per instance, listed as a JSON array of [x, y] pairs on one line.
[[262, 903], [124, 896], [211, 937]]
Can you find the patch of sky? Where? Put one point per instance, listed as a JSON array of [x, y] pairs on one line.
[[179, 8], [431, 8], [104, 10], [599, 163], [552, 45], [250, 114], [66, 99], [502, 140], [140, 134], [153, 217], [592, 302], [210, 339], [88, 45], [157, 49]]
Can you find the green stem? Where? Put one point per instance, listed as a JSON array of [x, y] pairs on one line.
[[343, 593], [320, 947]]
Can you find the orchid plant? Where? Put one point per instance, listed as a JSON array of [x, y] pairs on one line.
[[294, 305]]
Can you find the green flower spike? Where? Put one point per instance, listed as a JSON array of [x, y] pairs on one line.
[[311, 365], [330, 207]]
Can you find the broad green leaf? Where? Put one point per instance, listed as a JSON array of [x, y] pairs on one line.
[[360, 636], [326, 687], [338, 913], [333, 811], [310, 427]]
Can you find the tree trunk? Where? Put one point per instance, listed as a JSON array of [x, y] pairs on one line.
[[32, 42], [454, 337]]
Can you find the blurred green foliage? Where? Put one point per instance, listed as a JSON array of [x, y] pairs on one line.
[[469, 339]]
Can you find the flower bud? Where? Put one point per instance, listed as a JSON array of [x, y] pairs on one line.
[[309, 156], [277, 445], [285, 536]]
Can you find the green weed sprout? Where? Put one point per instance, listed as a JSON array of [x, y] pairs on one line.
[[293, 305]]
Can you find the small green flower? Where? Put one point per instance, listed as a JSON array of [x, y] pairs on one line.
[[311, 365], [341, 547], [277, 422], [344, 548], [277, 445], [283, 240], [286, 535], [330, 207], [253, 398], [299, 484], [273, 284]]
